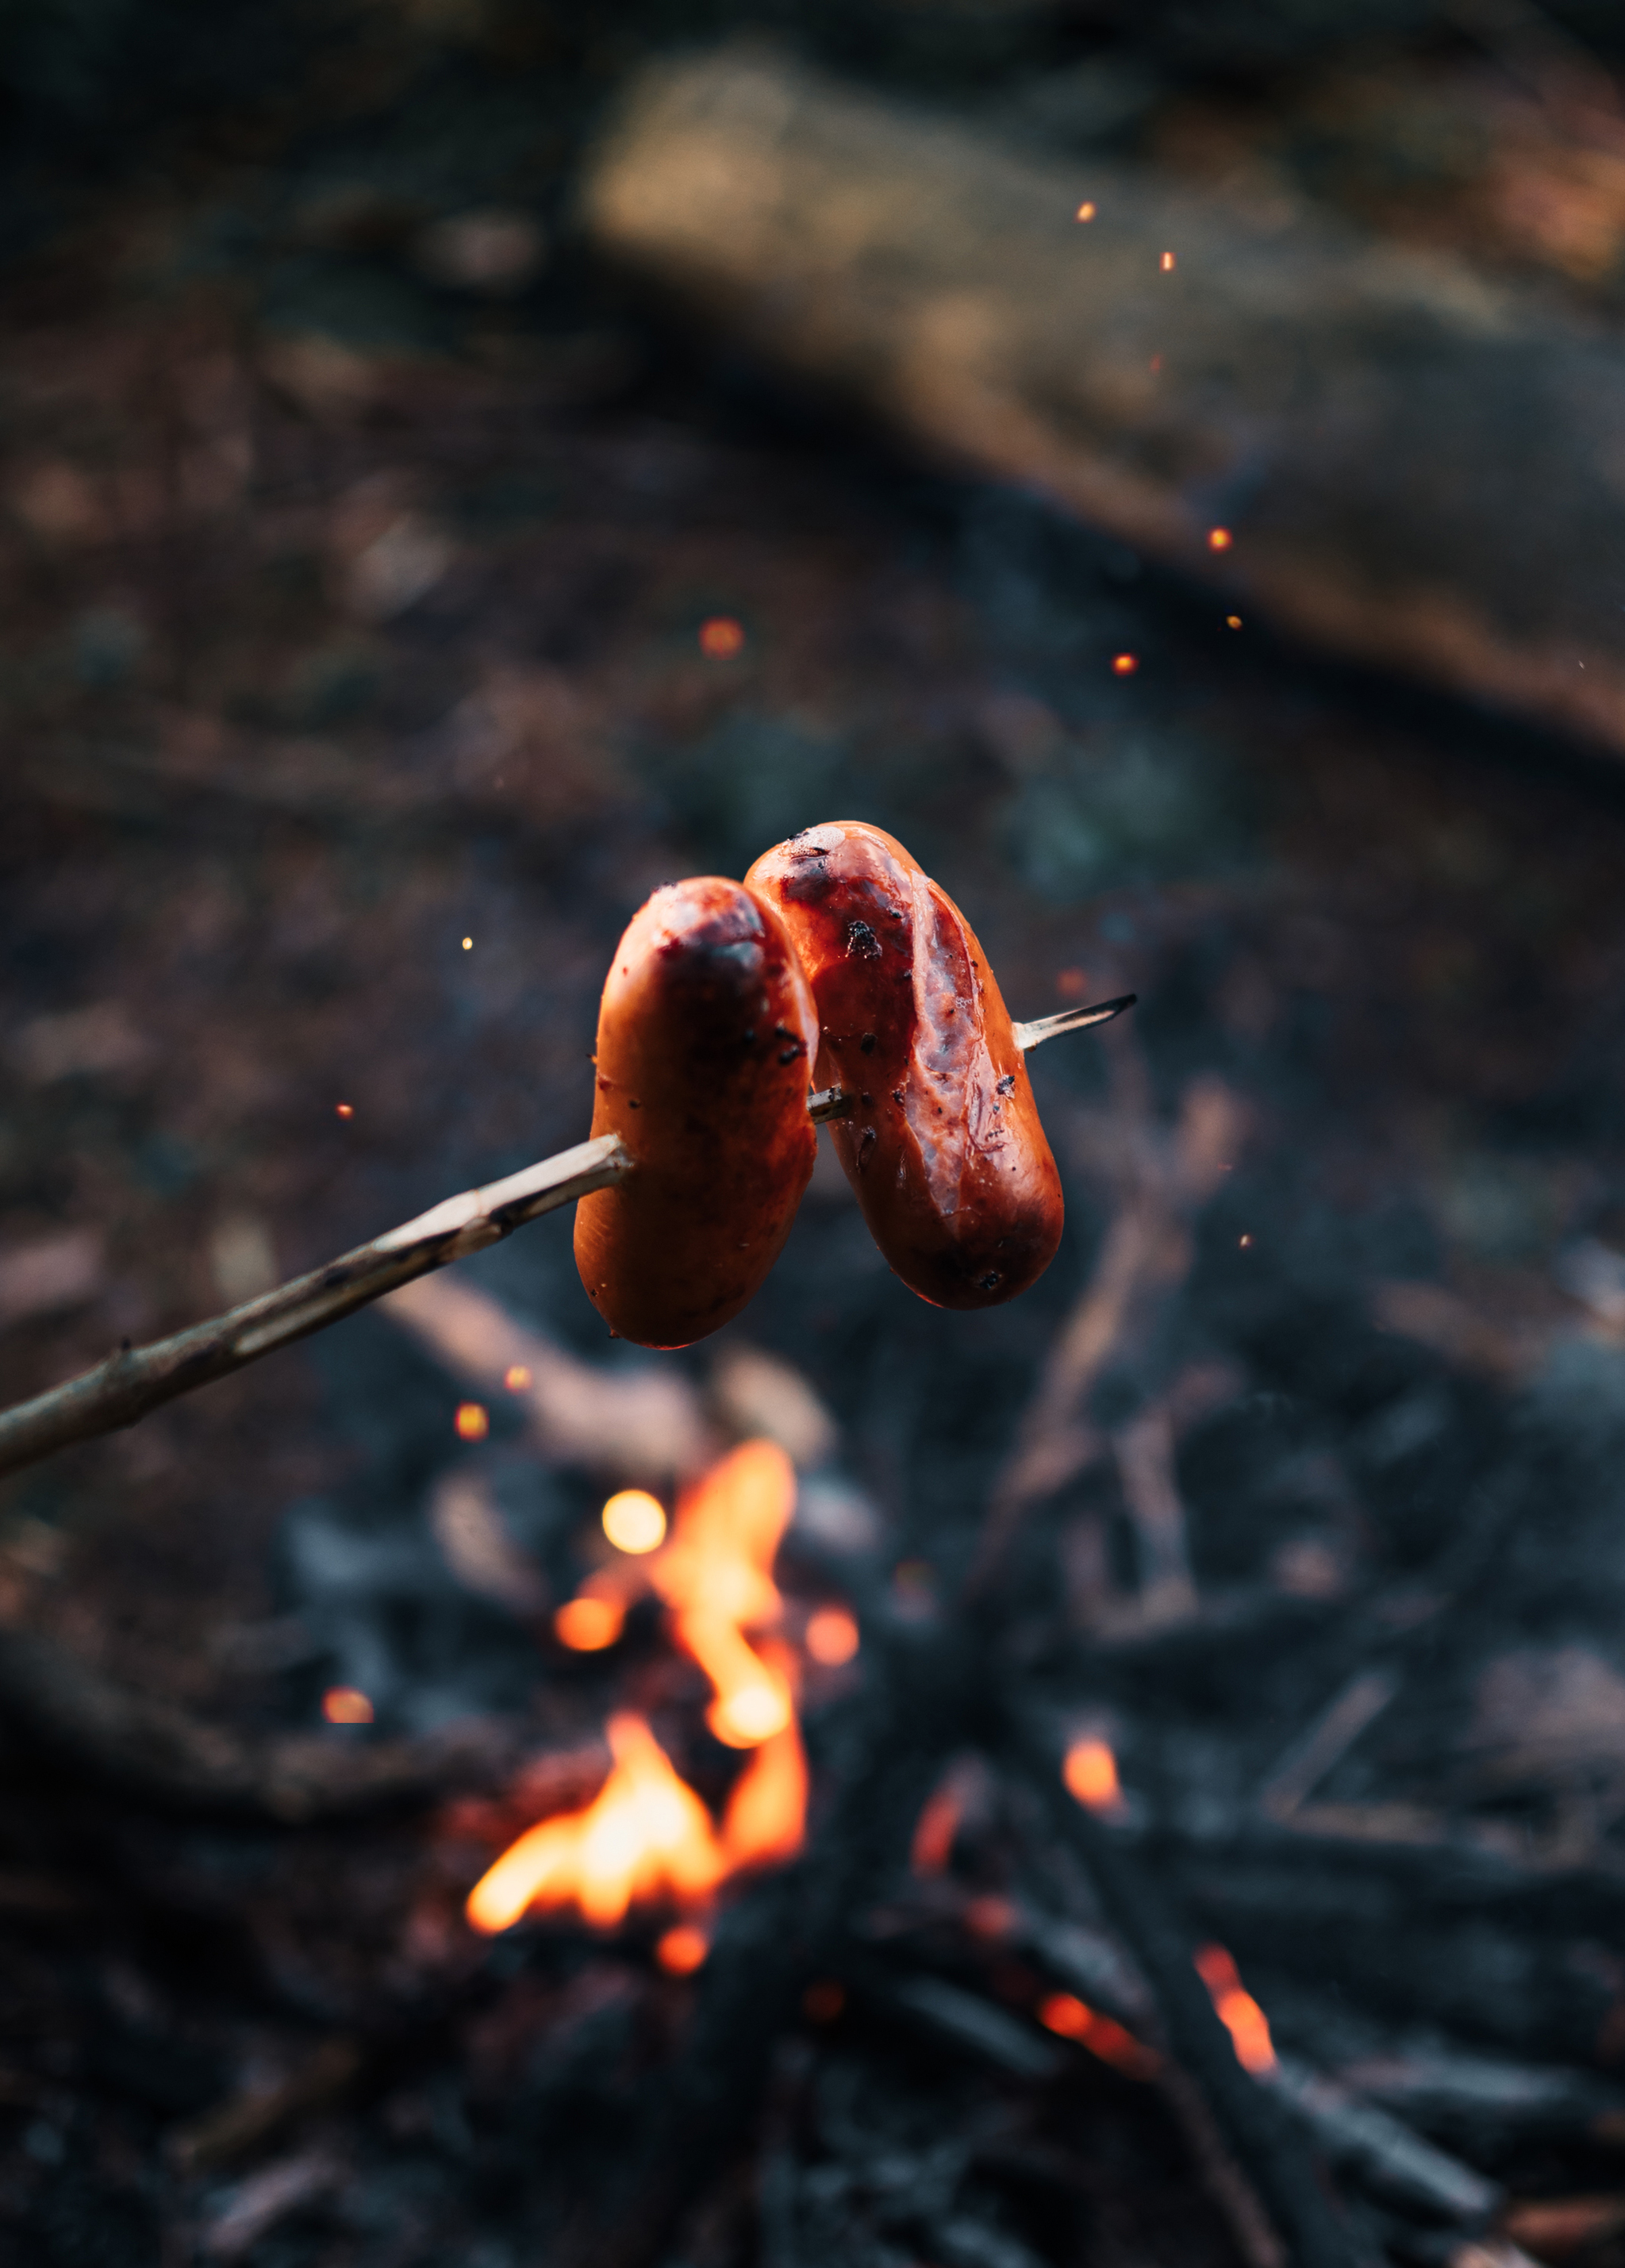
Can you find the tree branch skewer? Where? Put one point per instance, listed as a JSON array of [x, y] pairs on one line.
[[136, 1379]]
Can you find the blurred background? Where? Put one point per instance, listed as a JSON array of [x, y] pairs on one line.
[[465, 462]]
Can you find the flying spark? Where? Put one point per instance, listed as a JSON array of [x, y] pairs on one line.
[[682, 1950], [473, 1421], [1219, 539], [1085, 212], [634, 1521], [515, 1378], [467, 945], [1167, 263], [1234, 621], [1126, 664], [832, 1637], [587, 1625], [345, 1109], [345, 1706], [721, 639]]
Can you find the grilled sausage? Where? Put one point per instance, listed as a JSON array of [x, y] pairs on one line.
[[706, 1036], [945, 1148]]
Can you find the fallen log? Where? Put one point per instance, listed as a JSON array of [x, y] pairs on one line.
[[1414, 466], [79, 1722]]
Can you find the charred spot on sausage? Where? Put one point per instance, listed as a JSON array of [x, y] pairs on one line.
[[862, 941], [866, 1045], [1005, 1084]]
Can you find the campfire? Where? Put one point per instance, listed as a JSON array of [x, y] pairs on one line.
[[674, 1749]]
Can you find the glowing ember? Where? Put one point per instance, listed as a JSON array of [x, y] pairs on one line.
[[1075, 2019], [936, 1828], [473, 1421], [1237, 2010], [345, 1109], [1085, 212], [682, 1949], [1234, 621], [1219, 539], [716, 1576], [587, 1625], [344, 1705], [1125, 664], [1091, 1774], [515, 1378], [634, 1521], [1167, 263], [832, 1637], [645, 1834], [721, 639]]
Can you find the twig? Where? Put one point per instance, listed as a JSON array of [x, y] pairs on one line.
[[1070, 1020], [1272, 2156], [136, 1379], [74, 1715]]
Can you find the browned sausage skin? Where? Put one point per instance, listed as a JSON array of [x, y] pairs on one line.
[[945, 1148], [706, 1036]]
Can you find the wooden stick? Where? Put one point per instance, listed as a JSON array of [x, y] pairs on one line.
[[1070, 1020], [124, 1387], [135, 1380]]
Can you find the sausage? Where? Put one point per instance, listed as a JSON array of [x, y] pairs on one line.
[[945, 1148], [706, 1036]]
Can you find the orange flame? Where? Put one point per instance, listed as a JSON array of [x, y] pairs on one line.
[[1091, 1774], [1074, 2020], [1237, 2010], [765, 1823], [644, 1834], [716, 1577]]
